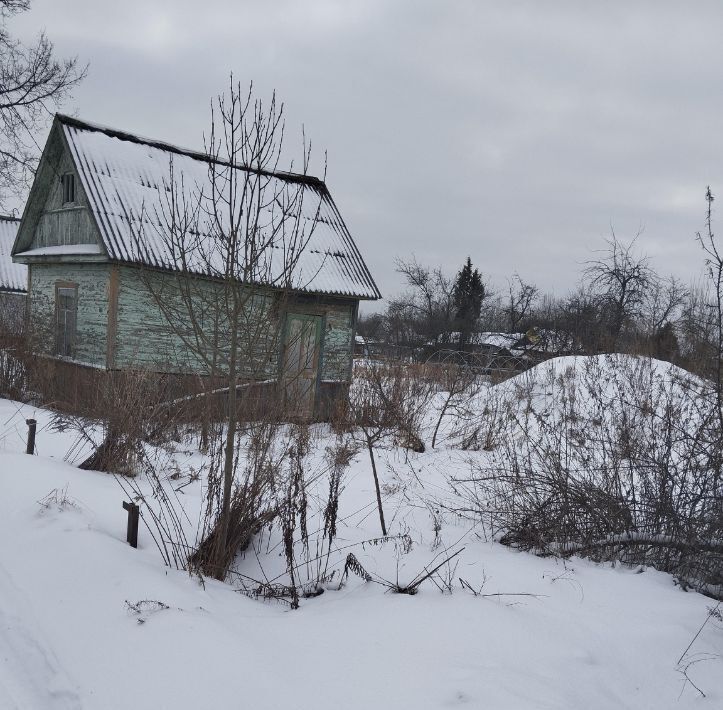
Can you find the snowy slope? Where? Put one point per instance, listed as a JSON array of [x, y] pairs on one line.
[[592, 637]]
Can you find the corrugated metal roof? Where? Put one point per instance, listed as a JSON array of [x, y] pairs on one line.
[[126, 179], [13, 277]]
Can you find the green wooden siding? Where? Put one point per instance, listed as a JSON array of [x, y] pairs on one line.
[[163, 338], [337, 343], [148, 337], [144, 337], [92, 314]]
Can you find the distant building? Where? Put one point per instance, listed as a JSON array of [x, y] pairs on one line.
[[360, 346]]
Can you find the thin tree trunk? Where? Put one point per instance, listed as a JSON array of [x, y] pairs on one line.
[[370, 446]]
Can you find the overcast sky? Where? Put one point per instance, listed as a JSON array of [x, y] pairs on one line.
[[518, 133]]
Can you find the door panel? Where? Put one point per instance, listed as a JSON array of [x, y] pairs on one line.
[[301, 364]]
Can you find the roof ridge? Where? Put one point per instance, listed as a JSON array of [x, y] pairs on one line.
[[195, 154]]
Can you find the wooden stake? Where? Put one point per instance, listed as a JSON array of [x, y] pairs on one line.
[[132, 532], [32, 424]]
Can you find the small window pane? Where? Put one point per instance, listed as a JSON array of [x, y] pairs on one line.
[[68, 181]]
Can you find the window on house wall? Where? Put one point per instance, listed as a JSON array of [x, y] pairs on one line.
[[66, 309], [68, 182]]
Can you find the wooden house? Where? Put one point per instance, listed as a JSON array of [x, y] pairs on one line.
[[13, 281], [92, 239]]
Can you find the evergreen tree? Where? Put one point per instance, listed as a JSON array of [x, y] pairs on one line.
[[468, 294]]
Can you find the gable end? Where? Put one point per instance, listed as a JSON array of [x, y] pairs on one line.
[[57, 215]]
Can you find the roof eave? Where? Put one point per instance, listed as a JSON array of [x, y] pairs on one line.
[[59, 258]]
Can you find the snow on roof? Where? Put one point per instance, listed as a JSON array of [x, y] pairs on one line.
[[74, 249], [126, 178], [492, 340], [13, 277], [498, 340]]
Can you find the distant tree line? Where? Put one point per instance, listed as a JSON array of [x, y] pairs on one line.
[[621, 304]]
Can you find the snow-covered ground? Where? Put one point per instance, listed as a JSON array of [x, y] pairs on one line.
[[88, 622]]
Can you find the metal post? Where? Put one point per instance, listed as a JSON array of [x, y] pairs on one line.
[[132, 531], [32, 424]]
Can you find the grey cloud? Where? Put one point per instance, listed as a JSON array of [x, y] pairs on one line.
[[515, 132]]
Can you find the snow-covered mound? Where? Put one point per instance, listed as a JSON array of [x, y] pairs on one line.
[[579, 449], [584, 402], [579, 384]]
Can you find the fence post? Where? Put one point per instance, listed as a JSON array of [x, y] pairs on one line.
[[132, 530], [32, 424]]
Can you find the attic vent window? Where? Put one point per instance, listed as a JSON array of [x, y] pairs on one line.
[[68, 182]]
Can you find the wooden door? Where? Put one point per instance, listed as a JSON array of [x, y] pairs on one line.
[[301, 364]]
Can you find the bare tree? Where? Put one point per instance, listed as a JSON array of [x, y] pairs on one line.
[[620, 278], [696, 327], [371, 326], [430, 304], [523, 297], [577, 316], [33, 84], [242, 228], [662, 302]]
